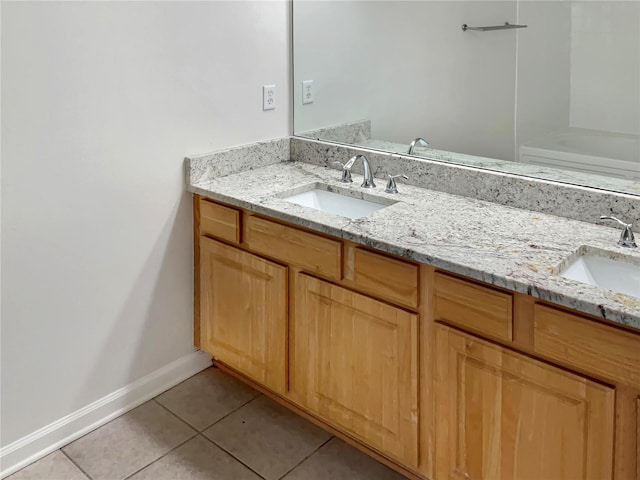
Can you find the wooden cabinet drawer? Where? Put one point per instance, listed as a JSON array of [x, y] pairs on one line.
[[473, 307], [595, 348], [382, 276], [219, 221], [311, 252]]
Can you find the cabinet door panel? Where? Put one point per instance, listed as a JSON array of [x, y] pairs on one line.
[[243, 311], [501, 415], [354, 362]]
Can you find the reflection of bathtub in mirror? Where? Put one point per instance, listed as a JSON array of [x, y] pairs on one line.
[[582, 150]]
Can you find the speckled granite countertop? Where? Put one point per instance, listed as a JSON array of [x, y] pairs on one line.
[[508, 247]]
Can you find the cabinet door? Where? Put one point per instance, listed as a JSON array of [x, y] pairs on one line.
[[243, 312], [354, 362], [501, 415]]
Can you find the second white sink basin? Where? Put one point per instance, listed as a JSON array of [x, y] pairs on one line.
[[620, 274], [336, 203]]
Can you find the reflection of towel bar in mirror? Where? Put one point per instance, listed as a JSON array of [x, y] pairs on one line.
[[506, 26]]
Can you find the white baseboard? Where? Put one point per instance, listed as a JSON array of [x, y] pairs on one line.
[[40, 443]]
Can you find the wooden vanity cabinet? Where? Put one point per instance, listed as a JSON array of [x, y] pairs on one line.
[[502, 415], [439, 376], [243, 312], [354, 362]]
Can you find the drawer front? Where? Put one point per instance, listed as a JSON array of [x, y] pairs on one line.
[[311, 252], [219, 221], [595, 348], [474, 307], [382, 276]]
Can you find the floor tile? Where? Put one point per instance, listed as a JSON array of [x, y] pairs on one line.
[[55, 466], [339, 461], [198, 459], [128, 443], [267, 437], [205, 398]]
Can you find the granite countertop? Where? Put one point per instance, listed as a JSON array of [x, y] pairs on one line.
[[517, 249]]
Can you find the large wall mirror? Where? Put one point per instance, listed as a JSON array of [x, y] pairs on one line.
[[557, 99]]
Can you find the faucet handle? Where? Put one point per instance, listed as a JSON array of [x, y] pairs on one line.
[[346, 171], [391, 184], [626, 237]]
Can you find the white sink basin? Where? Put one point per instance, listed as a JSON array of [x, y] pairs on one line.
[[618, 274], [336, 203]]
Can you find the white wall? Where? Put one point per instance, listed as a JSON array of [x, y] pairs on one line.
[[409, 68], [543, 67], [605, 66], [100, 103]]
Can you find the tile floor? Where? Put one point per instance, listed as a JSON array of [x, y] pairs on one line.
[[209, 427]]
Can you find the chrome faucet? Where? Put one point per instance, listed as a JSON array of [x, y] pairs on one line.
[[626, 236], [346, 171], [421, 142]]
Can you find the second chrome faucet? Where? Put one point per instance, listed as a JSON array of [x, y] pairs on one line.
[[346, 171]]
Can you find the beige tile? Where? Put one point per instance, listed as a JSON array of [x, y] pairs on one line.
[[55, 466], [267, 437], [128, 443], [338, 461], [198, 459], [205, 398]]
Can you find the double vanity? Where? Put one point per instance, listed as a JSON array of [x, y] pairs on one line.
[[448, 337]]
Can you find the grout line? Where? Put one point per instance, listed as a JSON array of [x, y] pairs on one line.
[[232, 456], [305, 458], [173, 414], [208, 426], [76, 464], [233, 411], [161, 456]]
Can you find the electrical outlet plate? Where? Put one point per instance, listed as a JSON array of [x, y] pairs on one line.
[[269, 97], [307, 91]]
